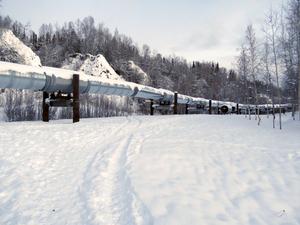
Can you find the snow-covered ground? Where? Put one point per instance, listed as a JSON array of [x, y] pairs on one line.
[[182, 170]]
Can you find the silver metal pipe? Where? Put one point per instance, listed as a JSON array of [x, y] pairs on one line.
[[51, 79], [21, 77]]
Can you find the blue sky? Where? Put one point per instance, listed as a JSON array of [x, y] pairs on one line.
[[194, 29]]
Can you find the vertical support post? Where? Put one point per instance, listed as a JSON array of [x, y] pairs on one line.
[[75, 85], [186, 108], [255, 112], [151, 107], [175, 103], [237, 109], [45, 107], [293, 111], [209, 106]]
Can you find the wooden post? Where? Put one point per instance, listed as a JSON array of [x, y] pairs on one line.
[[45, 107], [237, 109], [209, 107], [186, 108], [75, 85], [151, 107], [175, 103]]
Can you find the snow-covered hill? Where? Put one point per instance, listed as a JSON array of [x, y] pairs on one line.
[[175, 170], [91, 65], [14, 50]]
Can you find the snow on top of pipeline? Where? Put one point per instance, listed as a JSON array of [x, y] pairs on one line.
[[91, 65], [14, 50], [7, 68]]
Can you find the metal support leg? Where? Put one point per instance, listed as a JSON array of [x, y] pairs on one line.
[[209, 107], [175, 103], [75, 84], [45, 107], [151, 107]]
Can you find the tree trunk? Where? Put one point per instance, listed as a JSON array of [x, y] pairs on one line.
[[299, 87], [298, 51], [273, 112]]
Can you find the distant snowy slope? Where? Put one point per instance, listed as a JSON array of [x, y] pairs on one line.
[[91, 65], [14, 50], [134, 73]]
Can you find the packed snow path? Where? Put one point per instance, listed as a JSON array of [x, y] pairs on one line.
[[195, 169]]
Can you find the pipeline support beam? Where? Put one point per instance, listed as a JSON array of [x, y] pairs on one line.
[[45, 107], [209, 107], [76, 104], [175, 103], [151, 107]]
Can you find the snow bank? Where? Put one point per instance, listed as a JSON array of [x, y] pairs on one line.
[[177, 170], [91, 65], [13, 50]]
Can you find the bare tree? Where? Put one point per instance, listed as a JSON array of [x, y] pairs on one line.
[[268, 78], [288, 59], [252, 49], [271, 32], [243, 69], [291, 48], [297, 24]]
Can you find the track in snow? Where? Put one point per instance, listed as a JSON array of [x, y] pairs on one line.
[[80, 180], [107, 186]]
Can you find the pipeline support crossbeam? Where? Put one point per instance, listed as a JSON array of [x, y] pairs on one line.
[[63, 100]]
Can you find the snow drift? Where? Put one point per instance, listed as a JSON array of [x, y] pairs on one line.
[[15, 51]]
